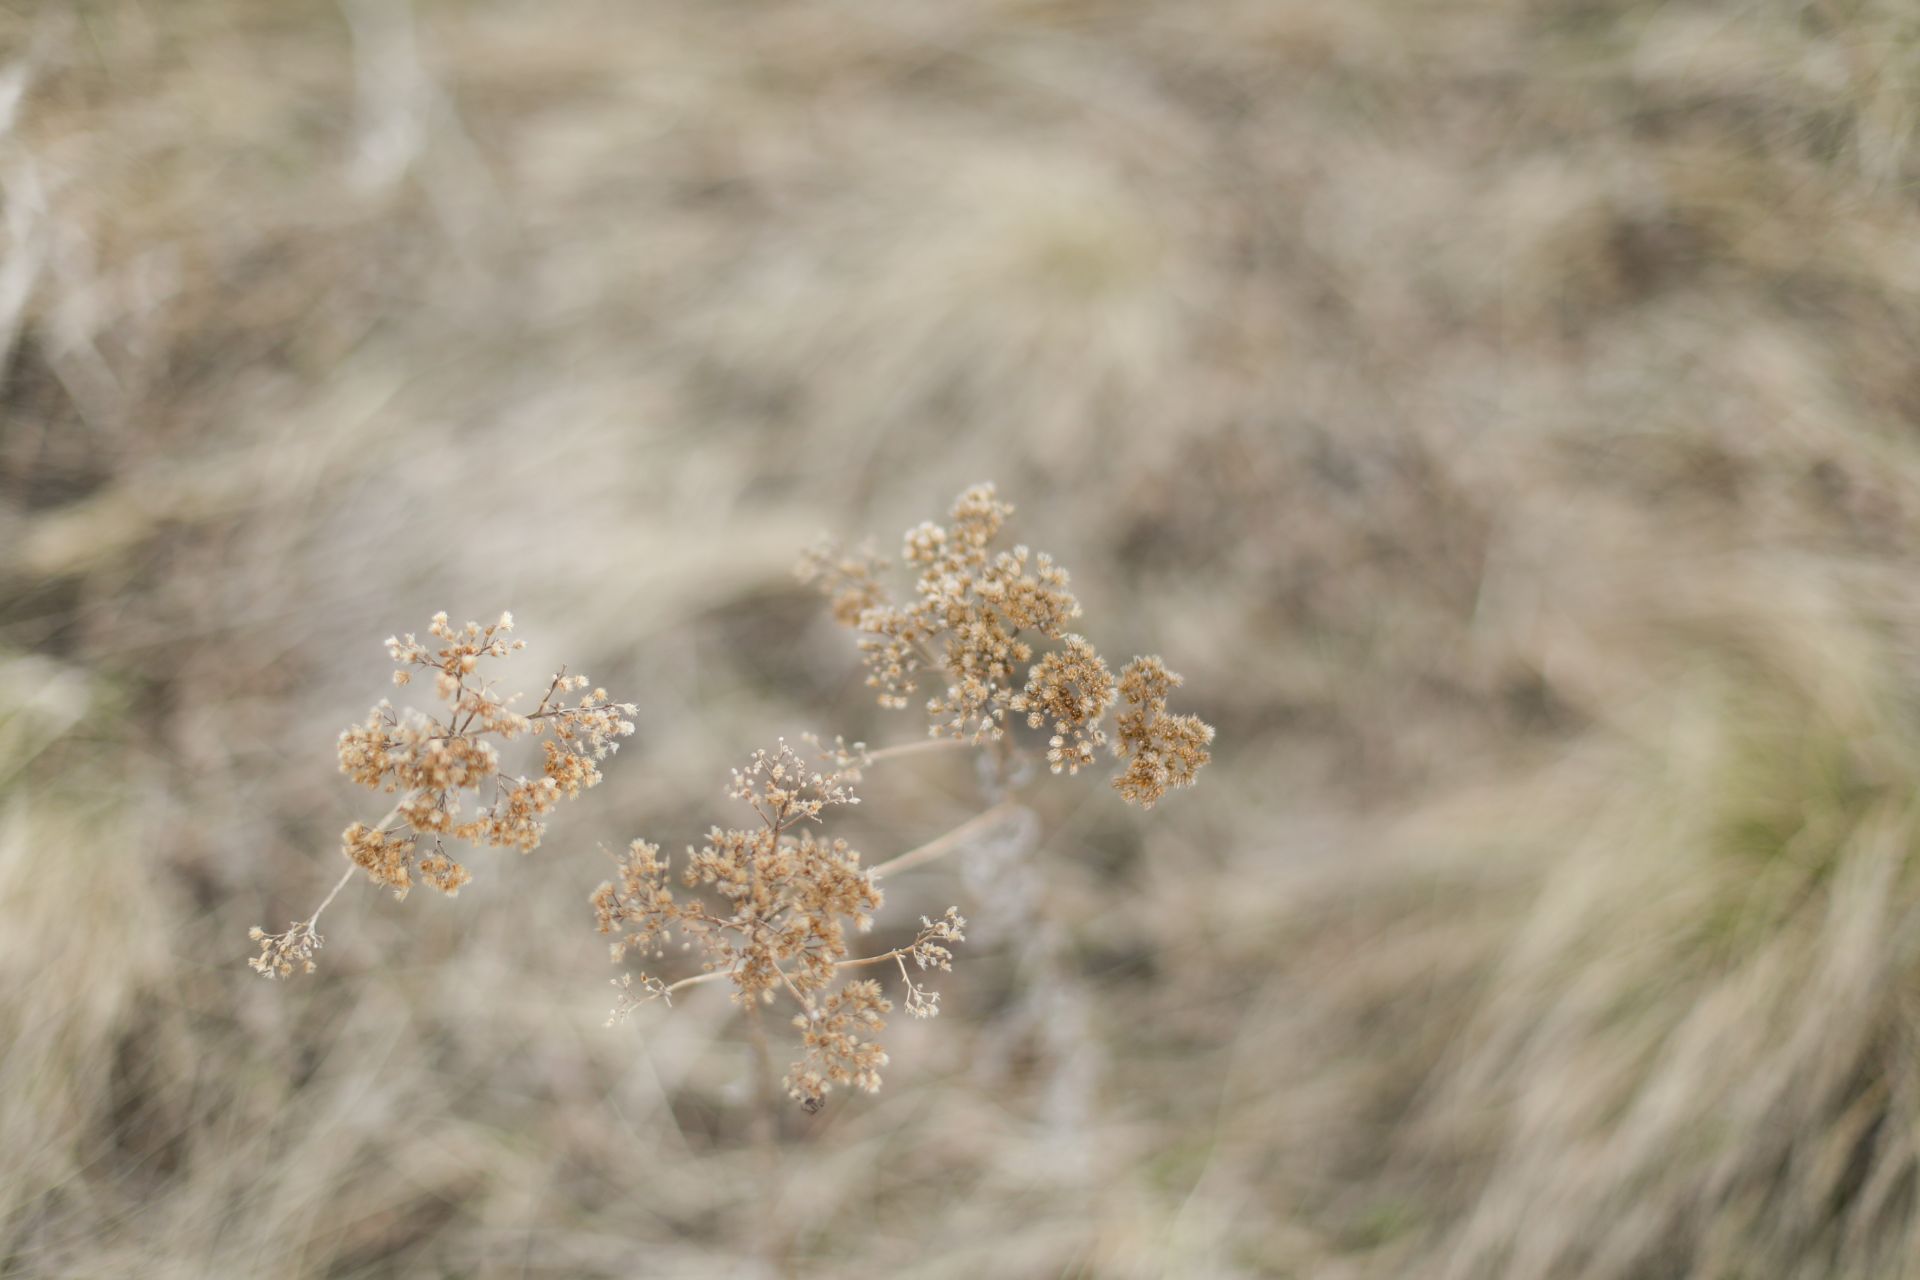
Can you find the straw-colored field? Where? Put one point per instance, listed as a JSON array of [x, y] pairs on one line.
[[1506, 415]]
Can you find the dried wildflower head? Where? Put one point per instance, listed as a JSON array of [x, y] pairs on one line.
[[433, 761], [282, 953], [1162, 751], [977, 618], [1071, 689], [838, 1037], [436, 763], [770, 909], [929, 951], [972, 610], [850, 580]]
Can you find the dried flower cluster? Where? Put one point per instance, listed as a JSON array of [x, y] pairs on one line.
[[770, 909], [973, 605], [1162, 751], [281, 954], [1071, 688], [974, 609], [431, 762]]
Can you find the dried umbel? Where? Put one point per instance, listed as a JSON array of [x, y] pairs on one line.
[[439, 763], [978, 616], [973, 604], [1071, 689], [432, 762], [770, 908], [1162, 751]]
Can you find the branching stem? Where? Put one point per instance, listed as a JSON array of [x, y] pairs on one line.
[[937, 847], [715, 975]]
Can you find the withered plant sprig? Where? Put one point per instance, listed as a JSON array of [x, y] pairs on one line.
[[977, 618], [770, 909], [435, 762], [1162, 750], [973, 605], [788, 898]]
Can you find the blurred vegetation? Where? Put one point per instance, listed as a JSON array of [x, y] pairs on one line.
[[1502, 412]]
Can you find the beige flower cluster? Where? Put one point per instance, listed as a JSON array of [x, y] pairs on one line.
[[283, 954], [435, 763], [1069, 689], [771, 908], [973, 603], [1162, 751], [432, 762], [976, 618]]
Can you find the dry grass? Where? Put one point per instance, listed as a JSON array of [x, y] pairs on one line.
[[1506, 408]]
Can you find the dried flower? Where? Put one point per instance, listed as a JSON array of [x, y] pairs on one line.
[[770, 908], [929, 951], [432, 761], [971, 621], [1162, 751], [973, 604], [840, 1048], [1073, 689], [281, 953]]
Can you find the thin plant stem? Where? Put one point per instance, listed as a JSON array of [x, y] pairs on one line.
[[347, 875], [766, 1143], [712, 975], [715, 975], [332, 893], [941, 845], [915, 748], [766, 1100]]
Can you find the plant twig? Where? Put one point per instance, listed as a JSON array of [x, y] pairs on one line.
[[941, 845], [914, 748]]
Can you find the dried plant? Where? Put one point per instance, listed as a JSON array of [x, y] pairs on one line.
[[770, 908], [430, 762], [1072, 689], [974, 609], [973, 604], [787, 897], [1161, 750]]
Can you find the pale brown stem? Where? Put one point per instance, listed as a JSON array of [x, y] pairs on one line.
[[332, 893], [347, 875], [715, 975], [940, 846], [898, 953], [766, 1084], [712, 975], [766, 1141], [914, 748]]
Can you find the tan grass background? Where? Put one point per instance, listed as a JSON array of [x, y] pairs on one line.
[[1502, 411]]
